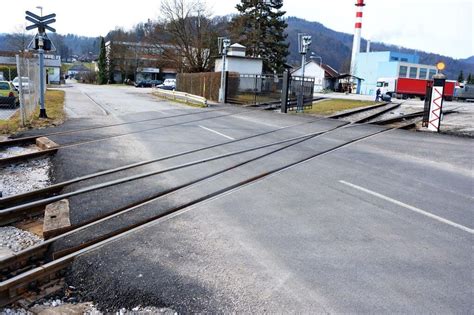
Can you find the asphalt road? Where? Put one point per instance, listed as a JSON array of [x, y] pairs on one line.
[[382, 225]]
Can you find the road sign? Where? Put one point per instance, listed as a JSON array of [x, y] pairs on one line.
[[436, 106], [41, 43], [40, 22]]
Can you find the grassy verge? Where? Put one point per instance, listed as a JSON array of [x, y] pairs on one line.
[[331, 106], [54, 103]]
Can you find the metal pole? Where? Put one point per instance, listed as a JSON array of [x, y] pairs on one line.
[[300, 105], [41, 74], [20, 91], [223, 83]]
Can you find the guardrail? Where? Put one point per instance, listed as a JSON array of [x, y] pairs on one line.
[[181, 96]]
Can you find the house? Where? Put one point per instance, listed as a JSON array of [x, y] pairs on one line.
[[325, 77], [372, 66], [137, 61], [237, 61]]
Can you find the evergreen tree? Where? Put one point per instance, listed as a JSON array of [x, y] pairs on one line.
[[261, 28], [461, 77], [102, 78], [470, 79]]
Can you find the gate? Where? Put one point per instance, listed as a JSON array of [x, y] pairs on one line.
[[246, 89], [251, 89]]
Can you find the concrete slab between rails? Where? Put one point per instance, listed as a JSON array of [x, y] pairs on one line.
[[5, 253], [45, 143], [56, 218]]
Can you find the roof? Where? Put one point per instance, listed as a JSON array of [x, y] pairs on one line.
[[329, 71], [237, 45], [348, 75]]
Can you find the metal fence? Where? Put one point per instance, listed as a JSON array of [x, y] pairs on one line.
[[253, 89], [26, 90], [248, 89]]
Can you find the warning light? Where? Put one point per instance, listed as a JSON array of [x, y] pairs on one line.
[[440, 66]]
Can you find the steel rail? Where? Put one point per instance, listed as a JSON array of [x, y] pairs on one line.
[[41, 193], [11, 289]]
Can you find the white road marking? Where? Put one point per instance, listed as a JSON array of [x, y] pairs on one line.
[[216, 132], [415, 209]]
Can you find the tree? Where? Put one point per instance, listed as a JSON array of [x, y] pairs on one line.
[[261, 28], [102, 76], [461, 77], [19, 40], [470, 79], [184, 35]]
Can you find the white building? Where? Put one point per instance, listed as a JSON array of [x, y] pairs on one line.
[[324, 75], [237, 61]]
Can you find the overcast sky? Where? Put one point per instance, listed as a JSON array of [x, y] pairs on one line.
[[439, 26]]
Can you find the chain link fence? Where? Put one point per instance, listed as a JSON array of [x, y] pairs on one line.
[[19, 97]]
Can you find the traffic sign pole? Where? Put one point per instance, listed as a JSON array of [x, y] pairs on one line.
[[42, 24], [41, 73]]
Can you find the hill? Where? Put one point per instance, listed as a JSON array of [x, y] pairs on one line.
[[335, 48]]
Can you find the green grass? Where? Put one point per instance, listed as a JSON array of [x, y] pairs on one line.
[[54, 103], [331, 106]]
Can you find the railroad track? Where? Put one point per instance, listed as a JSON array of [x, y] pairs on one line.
[[32, 139], [37, 271]]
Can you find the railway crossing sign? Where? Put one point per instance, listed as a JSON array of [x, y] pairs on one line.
[[41, 43], [40, 22]]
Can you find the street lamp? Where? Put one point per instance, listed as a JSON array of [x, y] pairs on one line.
[[314, 56]]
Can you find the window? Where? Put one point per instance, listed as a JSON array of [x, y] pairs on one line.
[[385, 84], [4, 86], [404, 59], [423, 73], [432, 73], [403, 72], [393, 59], [413, 72], [379, 84]]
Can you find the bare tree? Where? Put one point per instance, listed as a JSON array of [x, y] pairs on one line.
[[184, 34], [19, 39]]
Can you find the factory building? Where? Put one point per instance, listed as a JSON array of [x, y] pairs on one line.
[[372, 66]]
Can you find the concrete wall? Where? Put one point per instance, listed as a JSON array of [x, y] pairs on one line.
[[241, 65]]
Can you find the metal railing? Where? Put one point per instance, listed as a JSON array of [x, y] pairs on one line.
[[181, 97]]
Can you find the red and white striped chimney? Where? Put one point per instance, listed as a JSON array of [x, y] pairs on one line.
[[357, 35]]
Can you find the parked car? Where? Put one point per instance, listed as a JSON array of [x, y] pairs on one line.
[[148, 83], [169, 84], [8, 94], [25, 83]]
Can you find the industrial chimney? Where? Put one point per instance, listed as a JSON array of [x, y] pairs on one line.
[[357, 35]]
